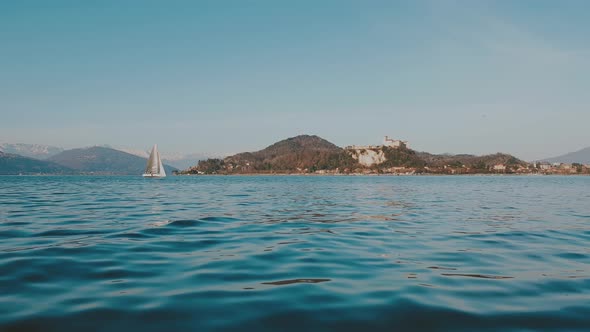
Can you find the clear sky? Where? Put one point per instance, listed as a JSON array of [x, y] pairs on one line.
[[230, 76]]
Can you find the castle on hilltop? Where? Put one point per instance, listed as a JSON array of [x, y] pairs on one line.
[[394, 143], [388, 142]]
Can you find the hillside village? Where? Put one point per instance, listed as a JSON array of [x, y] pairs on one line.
[[306, 154]]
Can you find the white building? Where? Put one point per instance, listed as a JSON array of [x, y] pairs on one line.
[[394, 143], [387, 142], [499, 168]]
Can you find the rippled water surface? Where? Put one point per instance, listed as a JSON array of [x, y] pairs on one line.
[[295, 253]]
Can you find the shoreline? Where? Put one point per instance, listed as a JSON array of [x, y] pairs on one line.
[[295, 174], [359, 174]]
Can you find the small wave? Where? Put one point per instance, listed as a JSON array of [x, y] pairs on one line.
[[183, 223], [441, 268], [70, 232], [483, 276], [295, 281], [219, 219]]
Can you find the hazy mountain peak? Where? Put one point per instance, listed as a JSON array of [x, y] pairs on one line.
[[581, 156], [37, 151]]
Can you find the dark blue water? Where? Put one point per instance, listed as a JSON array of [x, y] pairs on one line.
[[295, 253]]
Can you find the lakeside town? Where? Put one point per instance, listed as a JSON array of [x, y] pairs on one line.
[[537, 168], [307, 154]]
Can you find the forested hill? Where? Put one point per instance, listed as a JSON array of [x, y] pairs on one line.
[[296, 154], [308, 154]]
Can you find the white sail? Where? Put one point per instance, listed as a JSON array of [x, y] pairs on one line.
[[161, 169], [154, 167]]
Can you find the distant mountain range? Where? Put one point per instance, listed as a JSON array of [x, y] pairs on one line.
[[180, 161], [13, 164], [43, 152], [184, 161], [37, 151], [580, 156], [93, 160], [102, 160]]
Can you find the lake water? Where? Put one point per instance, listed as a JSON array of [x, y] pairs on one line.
[[295, 253]]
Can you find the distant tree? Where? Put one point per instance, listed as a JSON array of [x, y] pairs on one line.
[[512, 161], [456, 164], [210, 166], [398, 157], [480, 165]]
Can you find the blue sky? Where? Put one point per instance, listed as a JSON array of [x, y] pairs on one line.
[[230, 76]]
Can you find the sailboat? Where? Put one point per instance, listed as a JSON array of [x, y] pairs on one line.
[[154, 167]]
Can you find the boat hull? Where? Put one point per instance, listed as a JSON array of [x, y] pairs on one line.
[[157, 176]]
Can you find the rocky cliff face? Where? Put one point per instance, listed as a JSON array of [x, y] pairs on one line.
[[385, 156], [368, 157]]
